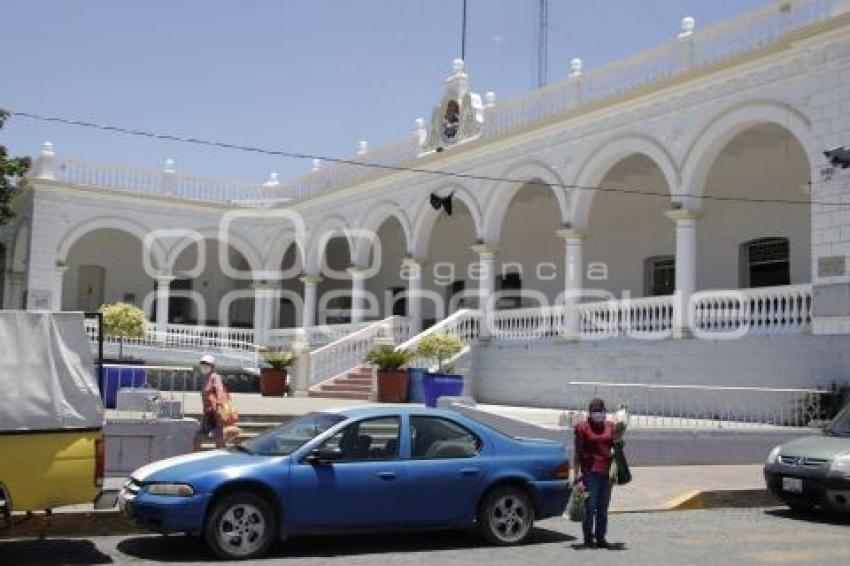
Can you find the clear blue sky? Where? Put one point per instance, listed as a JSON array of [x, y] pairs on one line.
[[311, 76]]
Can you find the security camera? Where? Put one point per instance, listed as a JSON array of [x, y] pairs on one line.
[[838, 157]]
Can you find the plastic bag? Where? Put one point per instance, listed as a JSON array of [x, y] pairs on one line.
[[576, 505]]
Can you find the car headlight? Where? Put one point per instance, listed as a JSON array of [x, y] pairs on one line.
[[171, 489], [841, 464], [774, 455]]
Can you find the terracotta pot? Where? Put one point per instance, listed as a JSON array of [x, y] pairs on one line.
[[272, 382], [392, 386]]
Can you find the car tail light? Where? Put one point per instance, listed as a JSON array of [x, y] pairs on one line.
[[99, 461], [562, 472]]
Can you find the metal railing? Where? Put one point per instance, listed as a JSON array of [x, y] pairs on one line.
[[690, 406], [148, 391]]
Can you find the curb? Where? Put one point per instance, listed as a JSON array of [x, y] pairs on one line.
[[79, 524], [722, 499]]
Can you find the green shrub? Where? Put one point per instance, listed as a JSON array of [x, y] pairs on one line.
[[387, 358], [123, 320], [278, 358], [440, 346]]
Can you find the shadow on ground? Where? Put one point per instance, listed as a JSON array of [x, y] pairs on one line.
[[817, 517], [56, 551], [190, 549]]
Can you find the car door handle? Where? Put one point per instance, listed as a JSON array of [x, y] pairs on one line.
[[387, 475], [469, 471]]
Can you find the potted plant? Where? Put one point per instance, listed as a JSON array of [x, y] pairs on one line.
[[392, 379], [442, 347], [273, 378], [122, 321]]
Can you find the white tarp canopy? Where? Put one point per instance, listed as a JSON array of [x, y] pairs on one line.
[[47, 377]]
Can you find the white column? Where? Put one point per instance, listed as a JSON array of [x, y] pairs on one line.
[[308, 315], [264, 293], [61, 270], [686, 263], [163, 296], [486, 285], [413, 271], [573, 276], [358, 293]]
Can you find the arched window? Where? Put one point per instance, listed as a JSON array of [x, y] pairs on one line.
[[659, 276], [765, 262]]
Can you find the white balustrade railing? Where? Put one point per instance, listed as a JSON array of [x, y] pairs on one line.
[[153, 182], [185, 336], [767, 310], [316, 335], [647, 317], [529, 323], [465, 324], [350, 351], [671, 406]]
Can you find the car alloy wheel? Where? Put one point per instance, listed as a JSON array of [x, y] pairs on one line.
[[242, 525], [507, 516]]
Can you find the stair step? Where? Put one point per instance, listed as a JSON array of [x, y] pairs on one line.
[[354, 381], [339, 395], [347, 388]]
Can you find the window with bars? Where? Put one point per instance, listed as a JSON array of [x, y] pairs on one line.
[[765, 262], [660, 276]]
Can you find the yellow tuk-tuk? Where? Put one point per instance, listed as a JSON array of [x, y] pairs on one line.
[[51, 414]]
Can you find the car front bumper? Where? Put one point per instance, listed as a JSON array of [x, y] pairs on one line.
[[164, 514], [550, 497], [829, 491]]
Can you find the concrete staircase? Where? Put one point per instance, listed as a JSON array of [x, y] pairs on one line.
[[354, 384]]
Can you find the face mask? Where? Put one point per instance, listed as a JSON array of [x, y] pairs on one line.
[[206, 370], [597, 417]]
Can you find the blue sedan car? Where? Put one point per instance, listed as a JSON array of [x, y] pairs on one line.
[[366, 468]]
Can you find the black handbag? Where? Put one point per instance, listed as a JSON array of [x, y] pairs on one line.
[[624, 475]]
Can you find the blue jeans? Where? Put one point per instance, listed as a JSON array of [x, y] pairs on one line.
[[596, 507]]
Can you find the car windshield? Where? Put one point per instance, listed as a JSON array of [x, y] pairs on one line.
[[289, 437], [840, 425]]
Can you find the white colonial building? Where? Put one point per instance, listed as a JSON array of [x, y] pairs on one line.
[[620, 225]]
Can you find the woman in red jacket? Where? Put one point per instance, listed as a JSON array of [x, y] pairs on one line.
[[594, 442]]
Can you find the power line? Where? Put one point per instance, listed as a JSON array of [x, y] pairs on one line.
[[403, 169]]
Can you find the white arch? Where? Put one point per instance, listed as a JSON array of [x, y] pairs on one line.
[[427, 218], [720, 129], [371, 222], [608, 154], [237, 242], [332, 225], [121, 224], [499, 199], [278, 247]]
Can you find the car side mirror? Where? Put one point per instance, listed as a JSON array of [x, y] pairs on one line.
[[322, 456]]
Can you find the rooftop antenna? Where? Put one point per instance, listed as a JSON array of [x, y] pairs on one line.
[[543, 44], [463, 33]]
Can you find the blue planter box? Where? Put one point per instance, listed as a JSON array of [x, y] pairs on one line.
[[416, 387], [115, 378], [438, 385]]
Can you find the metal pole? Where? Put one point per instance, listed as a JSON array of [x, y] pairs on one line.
[[463, 33]]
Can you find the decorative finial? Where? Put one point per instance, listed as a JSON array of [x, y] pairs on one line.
[[170, 166], [490, 99], [457, 65], [688, 24], [576, 65], [47, 148], [419, 123], [273, 181], [317, 164], [364, 147]]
